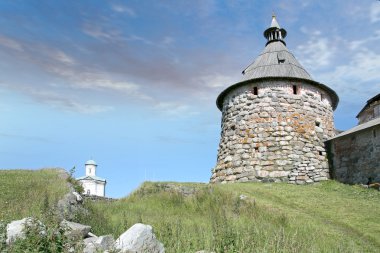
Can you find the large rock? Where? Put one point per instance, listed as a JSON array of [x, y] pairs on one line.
[[75, 230], [70, 206], [89, 245], [105, 242], [98, 244], [15, 229], [139, 239]]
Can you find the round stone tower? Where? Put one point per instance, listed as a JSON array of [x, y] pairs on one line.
[[275, 121]]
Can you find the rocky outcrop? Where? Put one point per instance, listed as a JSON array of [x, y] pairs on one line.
[[140, 239], [137, 239], [70, 205]]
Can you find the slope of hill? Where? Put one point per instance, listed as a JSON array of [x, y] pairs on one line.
[[25, 193], [248, 217]]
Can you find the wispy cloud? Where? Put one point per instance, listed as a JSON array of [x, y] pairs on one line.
[[359, 76], [123, 9], [175, 109], [317, 52], [357, 44], [61, 57], [217, 80], [24, 137], [10, 43], [63, 102], [375, 12], [364, 66], [98, 32], [140, 39]]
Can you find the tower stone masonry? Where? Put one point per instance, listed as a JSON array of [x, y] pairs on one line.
[[275, 121]]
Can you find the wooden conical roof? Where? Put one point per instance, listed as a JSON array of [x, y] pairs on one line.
[[276, 62]]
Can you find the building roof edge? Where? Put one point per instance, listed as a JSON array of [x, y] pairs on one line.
[[331, 92]]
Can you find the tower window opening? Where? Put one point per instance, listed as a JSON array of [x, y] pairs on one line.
[[255, 91], [318, 124], [320, 153], [295, 89], [322, 96]]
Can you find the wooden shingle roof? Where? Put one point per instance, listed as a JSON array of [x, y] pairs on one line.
[[369, 102], [275, 61]]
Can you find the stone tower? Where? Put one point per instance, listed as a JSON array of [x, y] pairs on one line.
[[275, 121]]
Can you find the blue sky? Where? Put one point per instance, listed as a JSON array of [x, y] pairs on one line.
[[133, 84]]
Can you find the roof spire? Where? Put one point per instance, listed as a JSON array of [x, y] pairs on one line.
[[274, 21], [275, 32]]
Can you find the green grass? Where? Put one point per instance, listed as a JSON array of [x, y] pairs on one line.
[[25, 193], [327, 217]]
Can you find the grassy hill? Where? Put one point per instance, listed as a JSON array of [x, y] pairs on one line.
[[328, 217], [25, 193], [246, 217]]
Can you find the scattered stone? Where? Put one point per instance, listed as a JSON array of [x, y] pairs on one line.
[[243, 197], [105, 242], [139, 238], [75, 230], [78, 197], [374, 186], [89, 245], [91, 235]]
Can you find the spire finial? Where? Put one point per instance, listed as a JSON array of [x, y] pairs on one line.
[[275, 32]]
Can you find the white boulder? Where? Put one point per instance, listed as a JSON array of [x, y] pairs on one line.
[[140, 239], [16, 228]]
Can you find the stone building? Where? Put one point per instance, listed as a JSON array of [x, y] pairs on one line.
[[370, 111], [92, 184], [275, 120], [354, 155]]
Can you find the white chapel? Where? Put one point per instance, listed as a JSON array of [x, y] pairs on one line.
[[92, 184]]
